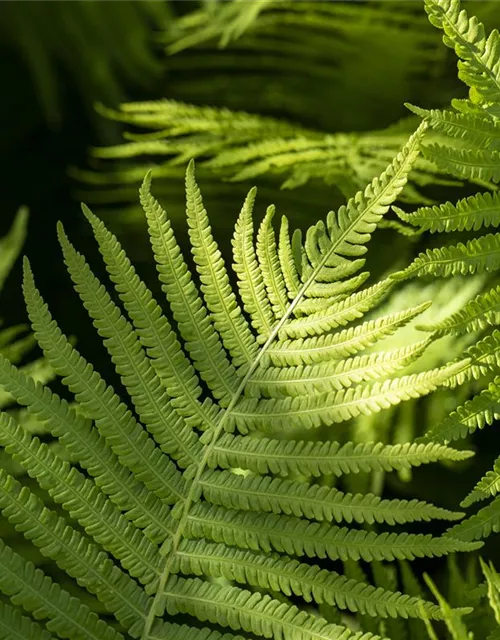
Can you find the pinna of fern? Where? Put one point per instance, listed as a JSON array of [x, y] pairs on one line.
[[15, 343], [156, 511]]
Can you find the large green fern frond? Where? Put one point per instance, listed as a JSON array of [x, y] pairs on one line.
[[178, 504]]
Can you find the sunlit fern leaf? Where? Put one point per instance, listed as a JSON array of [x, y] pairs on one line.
[[154, 511], [479, 255], [479, 131], [488, 486], [482, 312], [470, 149], [480, 411], [479, 65], [469, 214], [292, 577], [314, 458], [470, 144]]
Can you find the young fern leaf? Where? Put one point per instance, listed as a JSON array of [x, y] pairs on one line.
[[156, 511]]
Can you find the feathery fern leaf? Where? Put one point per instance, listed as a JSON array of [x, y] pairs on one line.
[[157, 510]]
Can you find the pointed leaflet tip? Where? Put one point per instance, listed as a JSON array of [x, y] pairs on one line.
[[91, 217], [146, 183], [416, 110], [26, 265], [61, 235], [190, 168]]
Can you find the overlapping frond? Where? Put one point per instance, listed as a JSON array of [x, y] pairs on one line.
[[175, 485], [292, 53], [469, 147], [470, 132]]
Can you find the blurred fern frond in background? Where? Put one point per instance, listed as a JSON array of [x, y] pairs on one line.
[[98, 47]]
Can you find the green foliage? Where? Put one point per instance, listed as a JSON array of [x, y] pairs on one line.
[[471, 127], [241, 146], [292, 116], [99, 46], [471, 135], [178, 504], [488, 596], [14, 343]]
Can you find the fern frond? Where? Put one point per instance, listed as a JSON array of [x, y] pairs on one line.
[[219, 297], [479, 66], [83, 500], [332, 407], [131, 362], [488, 486], [337, 314], [204, 345], [477, 129], [250, 279], [28, 587], [14, 626], [72, 552], [346, 233], [348, 342], [474, 164], [221, 365], [116, 423], [479, 526], [85, 444], [481, 359], [287, 261], [244, 146], [314, 458], [167, 358], [322, 294], [474, 414], [270, 267], [336, 375]]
